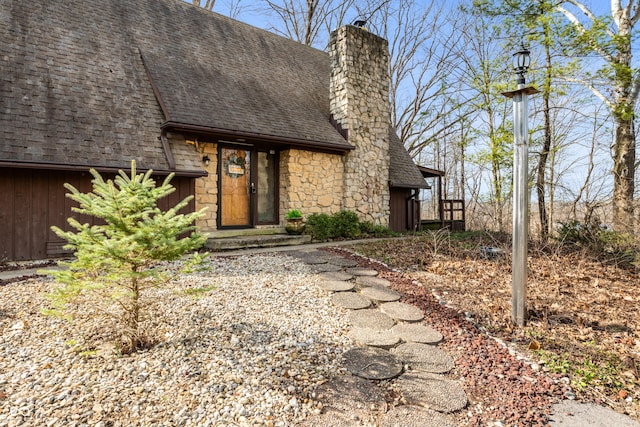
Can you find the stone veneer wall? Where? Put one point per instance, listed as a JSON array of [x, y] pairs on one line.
[[310, 181], [207, 190], [359, 94]]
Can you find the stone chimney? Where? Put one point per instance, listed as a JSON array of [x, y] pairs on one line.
[[359, 97]]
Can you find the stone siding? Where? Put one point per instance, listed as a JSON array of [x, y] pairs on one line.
[[207, 190], [360, 103], [310, 181]]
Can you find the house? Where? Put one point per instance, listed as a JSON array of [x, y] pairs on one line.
[[252, 124]]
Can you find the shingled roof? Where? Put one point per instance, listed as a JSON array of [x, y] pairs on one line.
[[403, 172], [86, 84]]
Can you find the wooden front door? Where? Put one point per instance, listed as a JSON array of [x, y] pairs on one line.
[[235, 187], [248, 187]]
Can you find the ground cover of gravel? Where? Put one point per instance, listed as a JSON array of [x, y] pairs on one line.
[[247, 352]]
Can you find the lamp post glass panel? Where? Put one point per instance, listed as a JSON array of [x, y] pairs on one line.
[[521, 63]]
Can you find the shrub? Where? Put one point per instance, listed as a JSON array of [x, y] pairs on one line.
[[319, 226], [345, 224], [604, 244], [367, 228], [119, 259]]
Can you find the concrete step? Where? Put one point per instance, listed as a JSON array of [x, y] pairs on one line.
[[256, 241]]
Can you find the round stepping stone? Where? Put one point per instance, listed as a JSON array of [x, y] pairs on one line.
[[370, 318], [342, 262], [322, 268], [402, 311], [336, 275], [413, 332], [424, 357], [409, 415], [432, 391], [372, 281], [380, 294], [350, 300], [362, 272], [336, 285], [372, 363], [373, 338], [313, 259], [348, 392]]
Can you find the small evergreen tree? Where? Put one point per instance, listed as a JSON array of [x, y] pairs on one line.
[[121, 257]]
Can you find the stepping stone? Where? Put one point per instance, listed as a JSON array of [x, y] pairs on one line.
[[424, 357], [432, 391], [413, 332], [402, 311], [372, 281], [370, 318], [336, 275], [346, 399], [348, 392], [408, 415], [362, 272], [336, 285], [323, 268], [342, 262], [380, 294], [373, 338], [350, 300], [313, 259], [372, 363]]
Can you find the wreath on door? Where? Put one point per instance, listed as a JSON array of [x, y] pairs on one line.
[[234, 166]]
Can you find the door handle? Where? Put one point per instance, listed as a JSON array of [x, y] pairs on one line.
[[253, 188]]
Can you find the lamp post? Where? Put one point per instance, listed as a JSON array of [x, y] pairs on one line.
[[521, 63]]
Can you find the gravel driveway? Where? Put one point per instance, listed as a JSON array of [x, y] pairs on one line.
[[248, 352]]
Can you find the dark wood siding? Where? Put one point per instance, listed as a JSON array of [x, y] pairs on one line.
[[31, 201], [402, 209]]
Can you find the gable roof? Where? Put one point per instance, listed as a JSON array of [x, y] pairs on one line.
[[238, 78], [85, 85], [77, 83], [73, 92], [403, 172]]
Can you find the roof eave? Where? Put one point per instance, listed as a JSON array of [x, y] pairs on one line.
[[412, 186], [103, 169], [229, 133]]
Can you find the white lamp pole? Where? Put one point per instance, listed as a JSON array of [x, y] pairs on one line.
[[520, 188]]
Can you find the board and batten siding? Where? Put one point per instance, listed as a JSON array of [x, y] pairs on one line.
[[404, 210], [31, 201]]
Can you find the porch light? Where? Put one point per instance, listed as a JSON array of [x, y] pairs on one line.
[[206, 160], [521, 63]]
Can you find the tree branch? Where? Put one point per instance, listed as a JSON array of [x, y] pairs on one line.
[[580, 27]]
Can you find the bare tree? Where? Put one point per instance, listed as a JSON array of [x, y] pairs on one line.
[[307, 21], [611, 39], [205, 4], [420, 44], [484, 77]]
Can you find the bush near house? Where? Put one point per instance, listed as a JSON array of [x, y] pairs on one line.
[[343, 225], [117, 260]]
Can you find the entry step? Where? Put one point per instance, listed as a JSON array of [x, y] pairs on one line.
[[257, 241]]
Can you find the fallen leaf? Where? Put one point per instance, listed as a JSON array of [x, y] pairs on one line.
[[534, 345]]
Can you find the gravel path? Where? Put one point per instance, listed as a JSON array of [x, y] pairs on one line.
[[248, 352]]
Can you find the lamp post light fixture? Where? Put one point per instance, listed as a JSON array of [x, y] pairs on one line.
[[521, 63]]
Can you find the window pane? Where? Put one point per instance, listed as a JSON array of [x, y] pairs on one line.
[[267, 187]]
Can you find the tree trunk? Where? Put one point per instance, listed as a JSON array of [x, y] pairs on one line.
[[623, 175], [544, 153]]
